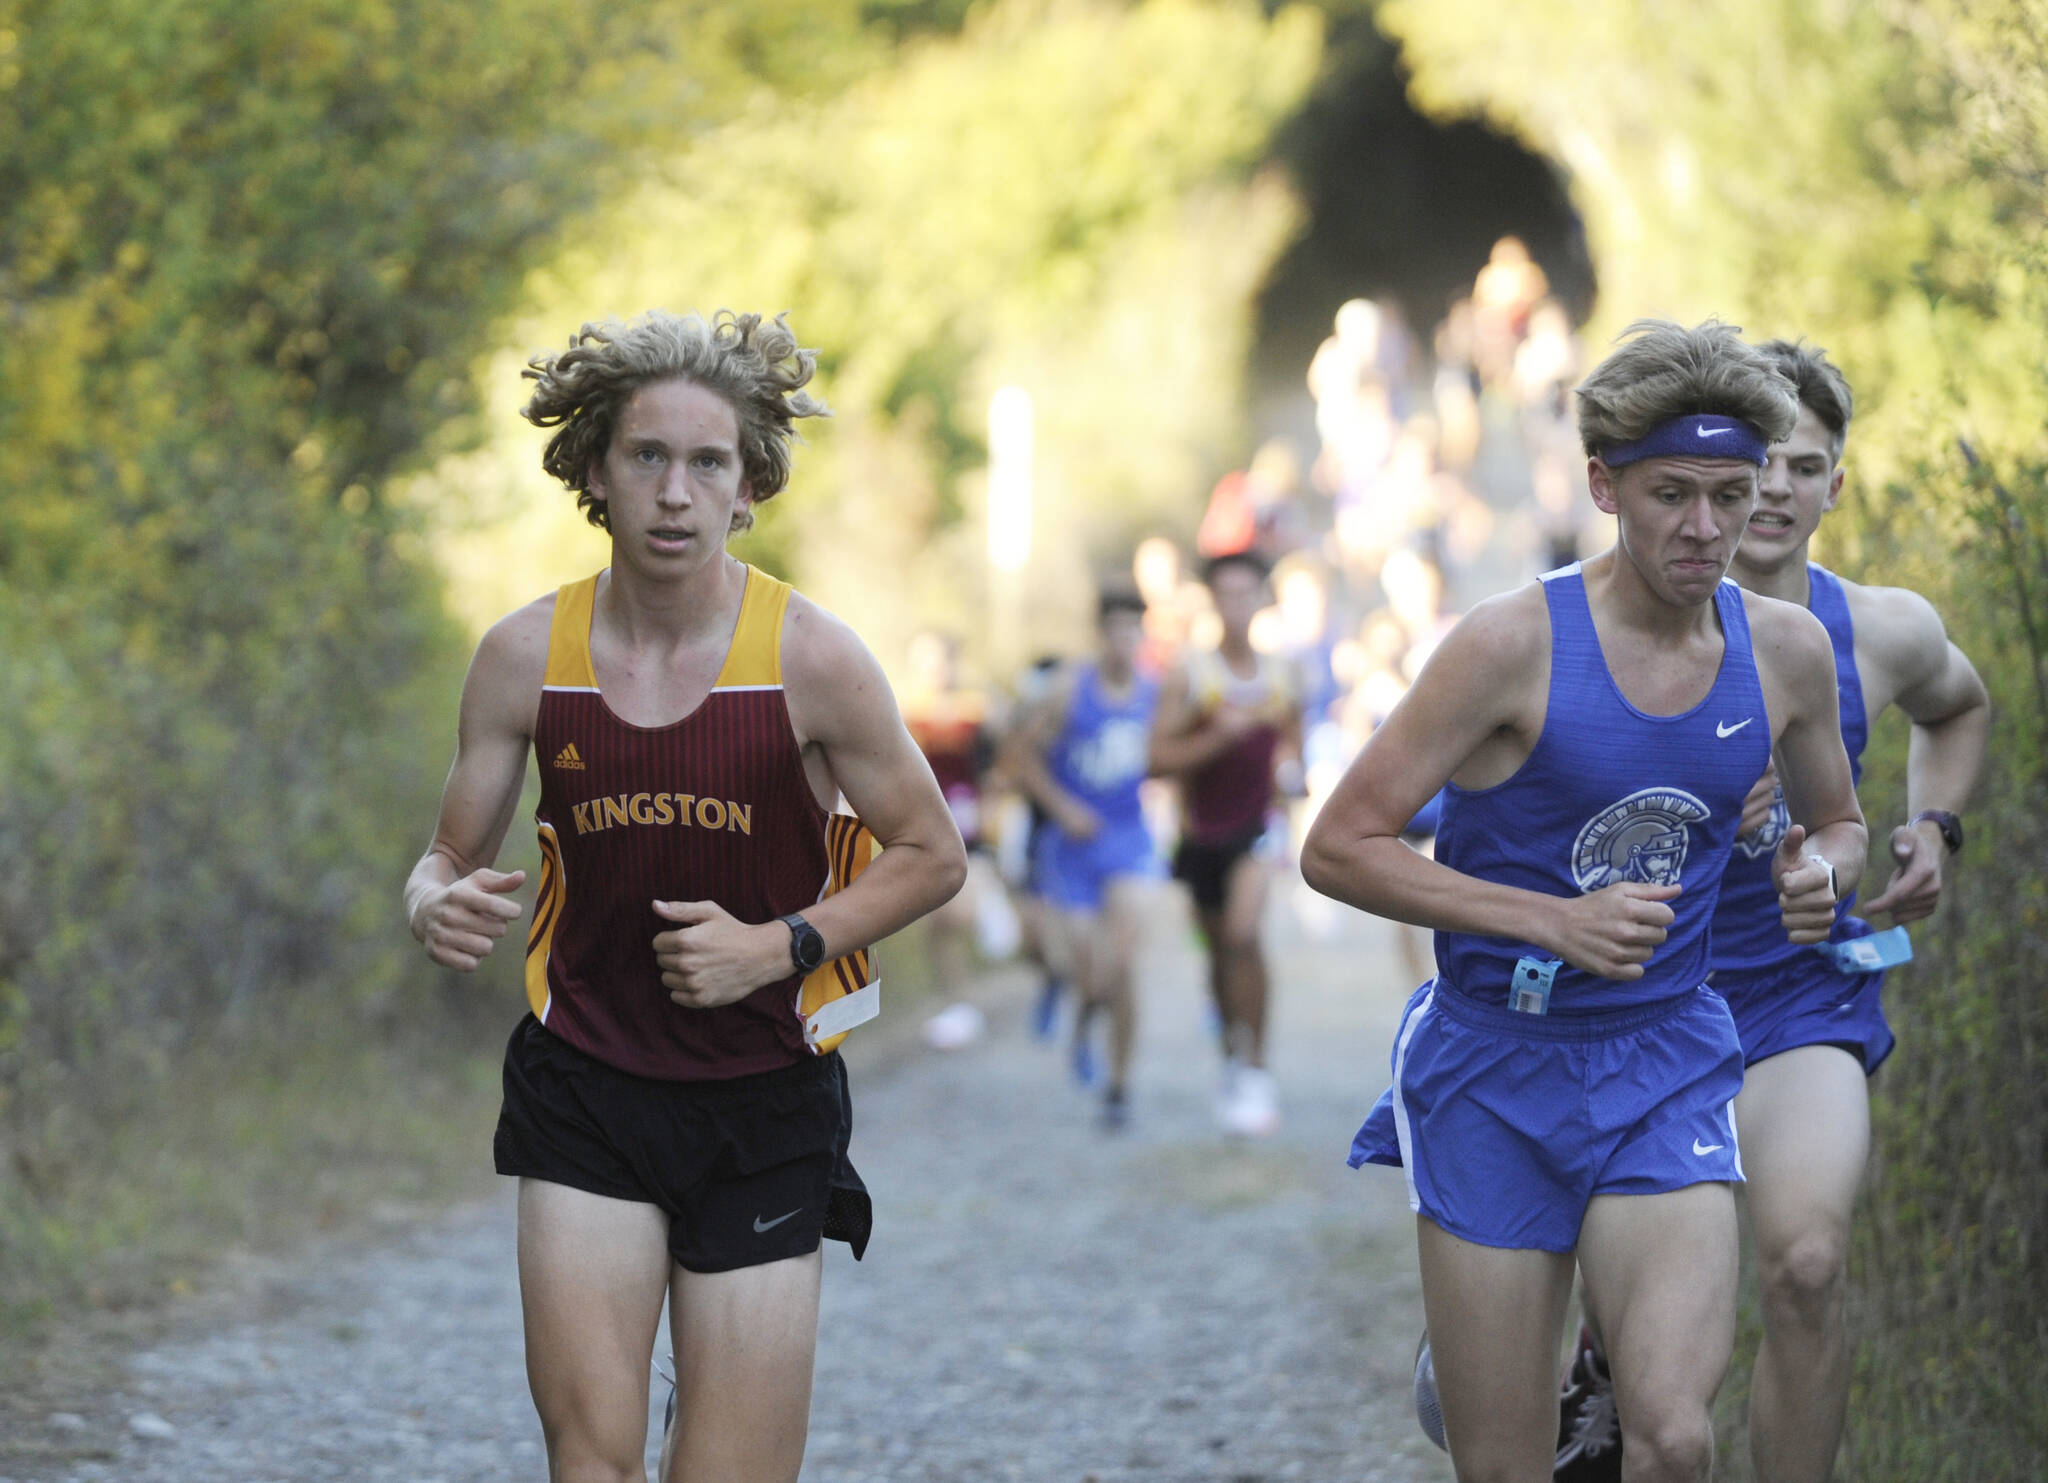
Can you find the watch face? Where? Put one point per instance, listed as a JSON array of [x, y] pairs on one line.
[[806, 946]]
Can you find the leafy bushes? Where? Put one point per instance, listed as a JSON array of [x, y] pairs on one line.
[[249, 253]]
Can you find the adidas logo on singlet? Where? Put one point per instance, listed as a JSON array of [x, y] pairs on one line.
[[568, 759]]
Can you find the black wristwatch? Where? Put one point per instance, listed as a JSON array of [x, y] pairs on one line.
[[806, 947], [1950, 826]]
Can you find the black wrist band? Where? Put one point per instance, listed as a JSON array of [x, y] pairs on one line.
[[806, 945], [1950, 826]]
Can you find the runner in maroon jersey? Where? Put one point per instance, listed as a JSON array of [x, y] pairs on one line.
[[1227, 718], [953, 726], [673, 1111]]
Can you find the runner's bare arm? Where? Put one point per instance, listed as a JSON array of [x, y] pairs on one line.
[[843, 714], [841, 705], [1938, 688], [1796, 666], [1476, 709], [1183, 738], [1024, 752], [455, 904]]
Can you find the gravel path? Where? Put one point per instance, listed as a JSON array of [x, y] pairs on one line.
[[1041, 1301]]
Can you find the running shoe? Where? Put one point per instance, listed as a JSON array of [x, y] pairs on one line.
[[1588, 1427], [1226, 1092], [1254, 1109], [1116, 1112], [665, 1368], [1086, 1069], [1428, 1409], [1045, 1014]]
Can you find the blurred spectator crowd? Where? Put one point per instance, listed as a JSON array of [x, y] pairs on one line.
[[1446, 468]]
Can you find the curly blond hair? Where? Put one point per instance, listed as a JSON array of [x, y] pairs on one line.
[[754, 363], [1660, 370]]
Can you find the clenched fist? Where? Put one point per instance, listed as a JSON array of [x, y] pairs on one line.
[[1613, 931], [1806, 889], [462, 922]]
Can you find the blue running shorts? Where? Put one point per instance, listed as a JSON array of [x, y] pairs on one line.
[[1509, 1124], [1807, 1001], [1074, 873]]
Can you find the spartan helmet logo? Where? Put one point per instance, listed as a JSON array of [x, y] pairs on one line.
[[1641, 838], [1764, 838], [1657, 859]]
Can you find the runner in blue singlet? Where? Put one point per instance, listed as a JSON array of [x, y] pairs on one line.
[[1081, 755], [1811, 1024], [1562, 1087]]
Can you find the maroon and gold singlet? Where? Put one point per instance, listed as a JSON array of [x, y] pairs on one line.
[[1228, 796], [715, 807], [950, 731]]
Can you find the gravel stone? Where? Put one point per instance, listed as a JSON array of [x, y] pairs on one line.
[[1042, 1302]]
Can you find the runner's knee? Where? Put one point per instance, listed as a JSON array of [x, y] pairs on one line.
[[1669, 1446], [1241, 937], [576, 1456], [1803, 1281]]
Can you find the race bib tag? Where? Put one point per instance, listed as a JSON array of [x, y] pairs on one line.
[[840, 1015], [1868, 954], [1530, 991]]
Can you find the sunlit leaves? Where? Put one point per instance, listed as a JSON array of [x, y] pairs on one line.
[[1064, 197], [249, 253]]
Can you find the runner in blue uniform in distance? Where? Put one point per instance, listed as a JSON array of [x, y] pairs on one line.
[[1080, 754], [1562, 1087]]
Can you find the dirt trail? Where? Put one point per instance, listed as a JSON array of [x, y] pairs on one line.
[[1041, 1301]]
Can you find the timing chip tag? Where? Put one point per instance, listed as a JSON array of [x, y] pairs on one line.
[[1868, 954], [1530, 991]]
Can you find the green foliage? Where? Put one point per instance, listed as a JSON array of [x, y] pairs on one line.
[[249, 255], [999, 208], [257, 269], [245, 1147], [1870, 177]]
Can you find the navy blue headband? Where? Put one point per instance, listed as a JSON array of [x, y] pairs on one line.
[[1695, 435]]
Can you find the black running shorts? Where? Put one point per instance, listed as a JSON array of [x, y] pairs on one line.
[[748, 1171], [1206, 864]]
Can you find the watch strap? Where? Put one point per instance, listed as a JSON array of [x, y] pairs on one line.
[[1950, 826], [806, 944]]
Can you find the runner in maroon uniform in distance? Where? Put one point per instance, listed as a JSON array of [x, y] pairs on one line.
[[1227, 717]]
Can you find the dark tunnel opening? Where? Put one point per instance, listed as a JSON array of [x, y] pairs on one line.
[[1401, 208]]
